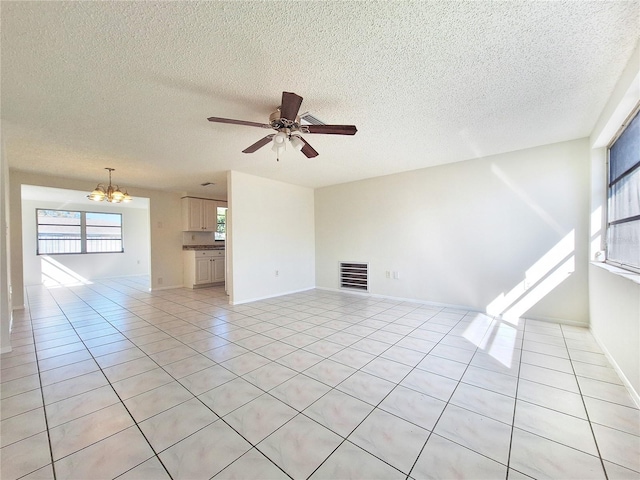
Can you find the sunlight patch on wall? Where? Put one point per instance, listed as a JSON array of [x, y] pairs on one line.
[[542, 277], [54, 274], [596, 234], [524, 196]]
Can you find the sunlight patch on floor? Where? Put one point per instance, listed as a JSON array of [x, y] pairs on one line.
[[54, 274]]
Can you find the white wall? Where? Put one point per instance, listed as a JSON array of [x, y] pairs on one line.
[[5, 270], [271, 228], [614, 298], [615, 321], [165, 229], [63, 268], [498, 233]]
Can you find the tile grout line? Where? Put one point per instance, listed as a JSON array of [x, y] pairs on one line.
[[345, 438], [177, 380], [194, 396], [364, 319], [116, 393], [44, 407], [515, 402], [302, 304], [447, 403], [586, 411]]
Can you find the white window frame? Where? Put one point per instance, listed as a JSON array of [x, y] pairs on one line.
[[83, 233], [633, 268]]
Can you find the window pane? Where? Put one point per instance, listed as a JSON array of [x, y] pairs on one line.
[[104, 219], [624, 243], [58, 245], [59, 231], [623, 234], [624, 197], [103, 244], [104, 232], [625, 152], [221, 227], [58, 217]]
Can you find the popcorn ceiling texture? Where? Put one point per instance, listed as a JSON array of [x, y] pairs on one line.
[[87, 85]]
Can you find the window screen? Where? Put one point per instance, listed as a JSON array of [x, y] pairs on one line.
[[623, 217]]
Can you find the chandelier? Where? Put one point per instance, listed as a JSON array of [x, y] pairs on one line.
[[111, 193]]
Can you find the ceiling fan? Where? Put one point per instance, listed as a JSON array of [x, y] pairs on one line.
[[286, 122]]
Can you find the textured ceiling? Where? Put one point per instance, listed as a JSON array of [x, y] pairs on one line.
[[129, 85]]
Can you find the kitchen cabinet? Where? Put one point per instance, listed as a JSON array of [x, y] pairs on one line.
[[203, 267], [199, 214]]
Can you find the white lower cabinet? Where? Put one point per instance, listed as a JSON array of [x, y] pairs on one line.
[[203, 267]]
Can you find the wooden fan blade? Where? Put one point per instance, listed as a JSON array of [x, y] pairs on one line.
[[308, 150], [332, 129], [238, 122], [259, 144], [290, 106]]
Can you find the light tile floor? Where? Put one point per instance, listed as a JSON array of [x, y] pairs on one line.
[[108, 380]]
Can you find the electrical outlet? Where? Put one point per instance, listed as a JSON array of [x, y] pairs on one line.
[[160, 280], [277, 273], [387, 274], [396, 275]]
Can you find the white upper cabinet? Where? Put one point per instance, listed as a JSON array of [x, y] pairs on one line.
[[199, 215]]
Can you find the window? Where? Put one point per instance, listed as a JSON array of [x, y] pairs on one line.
[[623, 213], [59, 232], [103, 232], [221, 226], [62, 231]]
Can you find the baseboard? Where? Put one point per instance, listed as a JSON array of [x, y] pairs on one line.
[[562, 321], [404, 299], [634, 395], [249, 300], [170, 287], [450, 305], [6, 349]]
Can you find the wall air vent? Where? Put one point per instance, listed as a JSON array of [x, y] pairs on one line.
[[354, 275]]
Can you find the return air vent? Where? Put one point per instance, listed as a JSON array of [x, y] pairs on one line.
[[307, 119], [354, 275]]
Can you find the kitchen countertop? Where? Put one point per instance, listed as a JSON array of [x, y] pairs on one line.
[[202, 247]]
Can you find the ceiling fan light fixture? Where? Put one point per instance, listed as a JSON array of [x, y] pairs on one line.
[[296, 142], [280, 138]]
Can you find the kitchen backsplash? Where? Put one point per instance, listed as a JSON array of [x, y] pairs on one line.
[[199, 238]]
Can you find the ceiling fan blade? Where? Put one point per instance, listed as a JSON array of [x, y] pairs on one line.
[[308, 150], [259, 144], [331, 129], [238, 122], [290, 105]]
